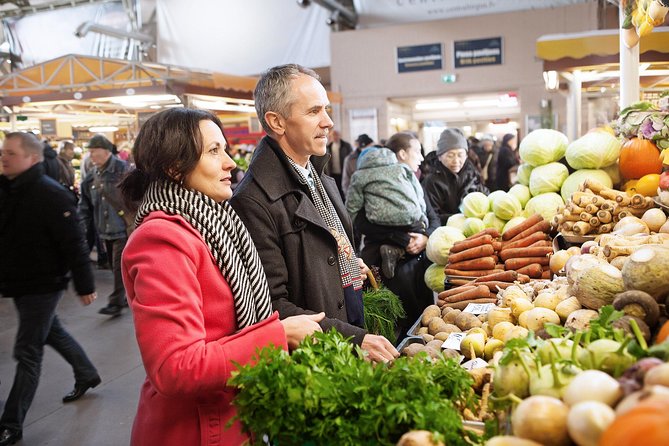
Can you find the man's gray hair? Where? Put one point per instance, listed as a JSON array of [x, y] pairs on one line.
[[273, 92], [29, 143]]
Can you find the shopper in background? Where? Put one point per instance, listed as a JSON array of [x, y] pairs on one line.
[[474, 147], [197, 289], [400, 249], [507, 162], [351, 161], [51, 165], [295, 214], [454, 176], [488, 159], [41, 243], [338, 150], [101, 202], [67, 174]]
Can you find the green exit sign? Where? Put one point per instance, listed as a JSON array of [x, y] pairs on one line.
[[449, 78], [21, 118]]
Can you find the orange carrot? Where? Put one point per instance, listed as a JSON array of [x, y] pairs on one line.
[[529, 251], [497, 246], [474, 264], [527, 241], [459, 282], [546, 275], [502, 276], [456, 290], [471, 243], [520, 262], [500, 266], [523, 278], [533, 270], [542, 226], [487, 231], [472, 253], [525, 224], [541, 243], [478, 292], [495, 285], [462, 305], [473, 273]]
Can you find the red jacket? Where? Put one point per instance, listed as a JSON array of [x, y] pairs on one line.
[[187, 334]]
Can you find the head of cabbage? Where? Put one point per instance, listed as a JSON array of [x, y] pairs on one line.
[[521, 192], [456, 221], [548, 178], [544, 204], [491, 221], [513, 222], [523, 175], [472, 226], [506, 207], [492, 196], [435, 277], [543, 146], [593, 150], [573, 181], [475, 204], [440, 242]]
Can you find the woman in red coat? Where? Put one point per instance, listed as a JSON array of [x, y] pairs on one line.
[[197, 290]]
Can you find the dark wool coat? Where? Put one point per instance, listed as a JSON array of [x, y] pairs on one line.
[[445, 190], [298, 252], [40, 237]]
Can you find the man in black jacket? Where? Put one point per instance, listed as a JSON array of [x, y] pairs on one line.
[[40, 242], [338, 150]]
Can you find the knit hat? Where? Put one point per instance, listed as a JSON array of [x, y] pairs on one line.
[[451, 139], [364, 140], [100, 142]]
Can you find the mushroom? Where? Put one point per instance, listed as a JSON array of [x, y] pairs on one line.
[[639, 304]]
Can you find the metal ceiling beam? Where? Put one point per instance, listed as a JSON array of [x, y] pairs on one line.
[[22, 9]]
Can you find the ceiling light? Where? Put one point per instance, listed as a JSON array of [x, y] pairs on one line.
[[437, 105], [103, 129], [481, 103]]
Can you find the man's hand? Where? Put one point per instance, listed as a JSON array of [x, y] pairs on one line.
[[378, 348], [364, 269], [300, 326], [417, 243], [88, 299]]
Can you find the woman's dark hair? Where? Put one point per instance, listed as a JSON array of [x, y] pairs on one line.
[[167, 148], [508, 137], [400, 141]]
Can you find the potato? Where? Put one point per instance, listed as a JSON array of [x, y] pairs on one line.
[[427, 337], [441, 336], [412, 350], [448, 329], [436, 325], [430, 312], [535, 318], [465, 321], [450, 317], [434, 344], [446, 310], [421, 331]]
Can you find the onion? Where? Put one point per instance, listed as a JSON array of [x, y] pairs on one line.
[[587, 421], [631, 225], [593, 385], [654, 219], [542, 419]]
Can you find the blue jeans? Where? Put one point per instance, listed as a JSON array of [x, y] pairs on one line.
[[39, 325]]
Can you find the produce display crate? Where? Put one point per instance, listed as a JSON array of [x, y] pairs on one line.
[[415, 326]]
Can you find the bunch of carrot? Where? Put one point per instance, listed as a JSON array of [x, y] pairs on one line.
[[481, 290], [595, 209], [524, 248]]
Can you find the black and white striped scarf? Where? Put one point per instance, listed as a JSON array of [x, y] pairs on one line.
[[348, 262], [227, 239]]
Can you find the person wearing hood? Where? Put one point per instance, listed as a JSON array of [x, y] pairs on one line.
[[453, 177], [50, 163]]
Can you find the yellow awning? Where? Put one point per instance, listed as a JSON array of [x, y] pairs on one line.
[[596, 43]]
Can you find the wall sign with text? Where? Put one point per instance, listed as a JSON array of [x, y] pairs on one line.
[[419, 58], [474, 53]]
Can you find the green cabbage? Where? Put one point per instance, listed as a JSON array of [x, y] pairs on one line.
[[545, 204], [472, 226], [456, 221], [492, 196], [513, 222], [491, 221], [613, 171], [573, 181], [523, 175], [475, 204], [521, 192], [506, 207], [543, 146], [548, 178], [593, 151], [435, 277], [440, 242]]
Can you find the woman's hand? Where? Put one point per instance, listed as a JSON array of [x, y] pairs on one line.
[[301, 326], [417, 243], [364, 269]]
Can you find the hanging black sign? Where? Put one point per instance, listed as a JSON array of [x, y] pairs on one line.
[[473, 53]]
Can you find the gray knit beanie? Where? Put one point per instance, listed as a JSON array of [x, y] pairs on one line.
[[451, 139]]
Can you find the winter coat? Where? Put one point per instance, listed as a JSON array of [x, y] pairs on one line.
[[94, 205], [506, 161], [184, 317], [348, 168], [51, 165], [296, 248], [388, 191], [445, 190], [344, 150], [40, 237]]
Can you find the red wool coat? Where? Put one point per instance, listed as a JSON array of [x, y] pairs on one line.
[[187, 334]]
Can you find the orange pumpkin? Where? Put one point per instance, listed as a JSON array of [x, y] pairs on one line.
[[663, 334], [639, 157], [646, 424]]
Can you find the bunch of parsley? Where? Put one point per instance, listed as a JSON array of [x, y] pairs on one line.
[[327, 394]]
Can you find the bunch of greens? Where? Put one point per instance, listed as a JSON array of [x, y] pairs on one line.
[[326, 393], [643, 120], [382, 311], [241, 162]]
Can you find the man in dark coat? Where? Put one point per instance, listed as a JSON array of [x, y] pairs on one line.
[[338, 149], [40, 242], [295, 214], [51, 167], [453, 177]]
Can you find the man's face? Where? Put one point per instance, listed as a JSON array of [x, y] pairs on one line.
[[15, 160], [487, 145], [99, 156], [306, 129], [454, 159]]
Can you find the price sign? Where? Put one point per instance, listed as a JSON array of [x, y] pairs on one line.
[[453, 341], [478, 308], [476, 363]]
